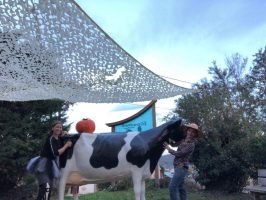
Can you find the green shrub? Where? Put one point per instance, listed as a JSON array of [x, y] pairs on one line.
[[256, 154]]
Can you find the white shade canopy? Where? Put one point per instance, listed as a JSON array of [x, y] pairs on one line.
[[51, 49]]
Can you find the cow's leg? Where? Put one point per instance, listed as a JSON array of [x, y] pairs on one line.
[[142, 193], [62, 183], [137, 185], [76, 196]]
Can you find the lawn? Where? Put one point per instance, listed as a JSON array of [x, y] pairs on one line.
[[162, 194]]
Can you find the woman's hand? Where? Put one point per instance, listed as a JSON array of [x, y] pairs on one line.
[[69, 143], [166, 146], [64, 133], [64, 148]]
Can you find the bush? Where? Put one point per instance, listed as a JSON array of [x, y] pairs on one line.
[[103, 186], [256, 154], [164, 182], [223, 169], [25, 192], [119, 185]]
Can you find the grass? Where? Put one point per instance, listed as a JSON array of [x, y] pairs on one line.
[[162, 194]]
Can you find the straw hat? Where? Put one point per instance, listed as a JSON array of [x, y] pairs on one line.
[[195, 127]]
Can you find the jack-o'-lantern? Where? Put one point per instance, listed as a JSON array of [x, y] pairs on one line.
[[85, 126]]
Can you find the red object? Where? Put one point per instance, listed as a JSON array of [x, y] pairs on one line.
[[85, 126]]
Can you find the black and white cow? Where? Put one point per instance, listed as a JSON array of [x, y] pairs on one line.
[[110, 156]]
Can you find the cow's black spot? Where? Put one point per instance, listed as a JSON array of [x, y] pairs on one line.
[[143, 147], [105, 150], [69, 151], [139, 152]]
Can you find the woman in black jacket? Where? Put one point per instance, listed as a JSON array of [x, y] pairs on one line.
[[47, 166]]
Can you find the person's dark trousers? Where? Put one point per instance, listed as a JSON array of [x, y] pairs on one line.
[[177, 187], [43, 192], [48, 192]]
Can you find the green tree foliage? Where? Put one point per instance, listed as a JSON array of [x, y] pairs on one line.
[[23, 128], [256, 80], [256, 154], [228, 116]]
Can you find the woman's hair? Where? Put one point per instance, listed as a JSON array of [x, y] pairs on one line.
[[56, 122]]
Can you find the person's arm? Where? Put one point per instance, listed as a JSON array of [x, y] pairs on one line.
[[187, 149], [56, 151], [181, 151], [63, 149]]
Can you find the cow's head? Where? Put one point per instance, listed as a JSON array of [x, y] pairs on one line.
[[174, 132]]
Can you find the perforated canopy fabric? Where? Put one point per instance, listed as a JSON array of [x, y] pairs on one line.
[[51, 49]]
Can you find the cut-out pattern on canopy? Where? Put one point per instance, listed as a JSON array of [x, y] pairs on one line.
[[50, 49]]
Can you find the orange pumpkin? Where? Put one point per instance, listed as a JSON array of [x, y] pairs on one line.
[[85, 126]]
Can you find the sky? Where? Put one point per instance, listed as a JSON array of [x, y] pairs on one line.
[[173, 38]]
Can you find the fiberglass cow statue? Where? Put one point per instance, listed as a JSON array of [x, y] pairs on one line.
[[110, 156]]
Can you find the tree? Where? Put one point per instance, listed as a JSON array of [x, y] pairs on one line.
[[256, 80], [226, 113], [23, 128], [256, 154]]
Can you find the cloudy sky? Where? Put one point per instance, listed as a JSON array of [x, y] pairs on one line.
[[174, 38]]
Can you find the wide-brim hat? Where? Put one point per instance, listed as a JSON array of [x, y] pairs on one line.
[[195, 127]]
